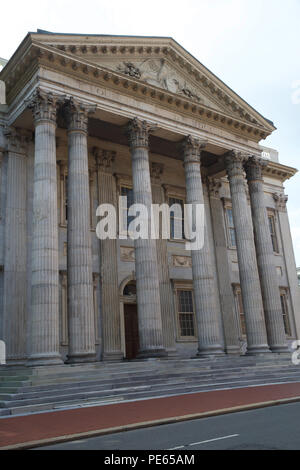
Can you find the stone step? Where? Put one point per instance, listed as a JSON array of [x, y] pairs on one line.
[[100, 383], [47, 384], [84, 392]]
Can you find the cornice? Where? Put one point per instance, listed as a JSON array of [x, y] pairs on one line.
[[279, 171], [37, 55]]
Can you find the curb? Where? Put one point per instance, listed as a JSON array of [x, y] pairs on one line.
[[146, 424]]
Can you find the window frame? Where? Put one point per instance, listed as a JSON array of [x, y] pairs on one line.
[[179, 287], [284, 294], [240, 315], [272, 216], [178, 198], [229, 227]]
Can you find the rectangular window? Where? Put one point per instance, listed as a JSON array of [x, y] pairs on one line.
[[240, 309], [126, 191], [285, 313], [186, 313], [176, 218], [230, 228], [272, 227]]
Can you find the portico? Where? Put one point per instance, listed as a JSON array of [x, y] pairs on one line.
[[147, 120]]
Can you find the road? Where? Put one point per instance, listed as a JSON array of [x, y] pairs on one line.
[[270, 428]]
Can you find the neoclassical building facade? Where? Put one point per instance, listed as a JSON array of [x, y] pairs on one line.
[[87, 119]]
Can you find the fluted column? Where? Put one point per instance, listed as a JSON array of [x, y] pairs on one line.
[[15, 279], [265, 256], [148, 299], [110, 299], [225, 287], [249, 278], [209, 342], [44, 316], [165, 287], [79, 255]]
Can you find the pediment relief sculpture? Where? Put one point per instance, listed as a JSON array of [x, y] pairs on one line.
[[158, 73]]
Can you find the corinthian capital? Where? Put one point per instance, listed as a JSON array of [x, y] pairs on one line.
[[280, 200], [234, 163], [192, 149], [138, 132], [156, 171], [77, 114], [214, 186], [17, 139], [253, 167], [43, 105], [104, 159]]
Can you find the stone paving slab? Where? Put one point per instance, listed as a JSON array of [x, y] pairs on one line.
[[39, 429]]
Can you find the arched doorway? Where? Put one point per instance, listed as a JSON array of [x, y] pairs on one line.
[[131, 327]]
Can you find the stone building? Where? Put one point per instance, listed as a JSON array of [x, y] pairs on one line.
[[89, 118]]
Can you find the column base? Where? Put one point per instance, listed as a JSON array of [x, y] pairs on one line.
[[47, 360], [81, 358], [280, 348], [256, 350], [152, 353], [210, 351]]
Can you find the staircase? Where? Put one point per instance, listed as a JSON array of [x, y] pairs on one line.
[[31, 390]]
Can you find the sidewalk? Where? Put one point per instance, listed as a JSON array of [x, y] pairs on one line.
[[39, 429]]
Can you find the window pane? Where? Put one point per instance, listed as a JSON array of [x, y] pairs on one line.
[[285, 314], [230, 218], [128, 192], [230, 228], [273, 233], [176, 218], [186, 321], [232, 237], [186, 313]]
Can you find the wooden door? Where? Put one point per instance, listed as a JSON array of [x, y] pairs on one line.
[[131, 331]]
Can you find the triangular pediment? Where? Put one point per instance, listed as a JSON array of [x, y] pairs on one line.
[[156, 62]]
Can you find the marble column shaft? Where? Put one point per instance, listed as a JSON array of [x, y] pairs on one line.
[[44, 317], [110, 299], [249, 277], [230, 323], [79, 245], [209, 341], [147, 283], [265, 257], [15, 276], [166, 292]]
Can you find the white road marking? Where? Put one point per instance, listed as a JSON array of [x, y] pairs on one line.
[[205, 442], [212, 440]]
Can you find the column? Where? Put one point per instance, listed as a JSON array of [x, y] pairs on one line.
[[165, 288], [249, 278], [209, 341], [110, 298], [79, 255], [148, 298], [224, 276], [265, 257], [44, 316], [15, 250], [280, 200]]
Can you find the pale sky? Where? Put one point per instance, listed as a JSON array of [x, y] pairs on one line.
[[252, 45]]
